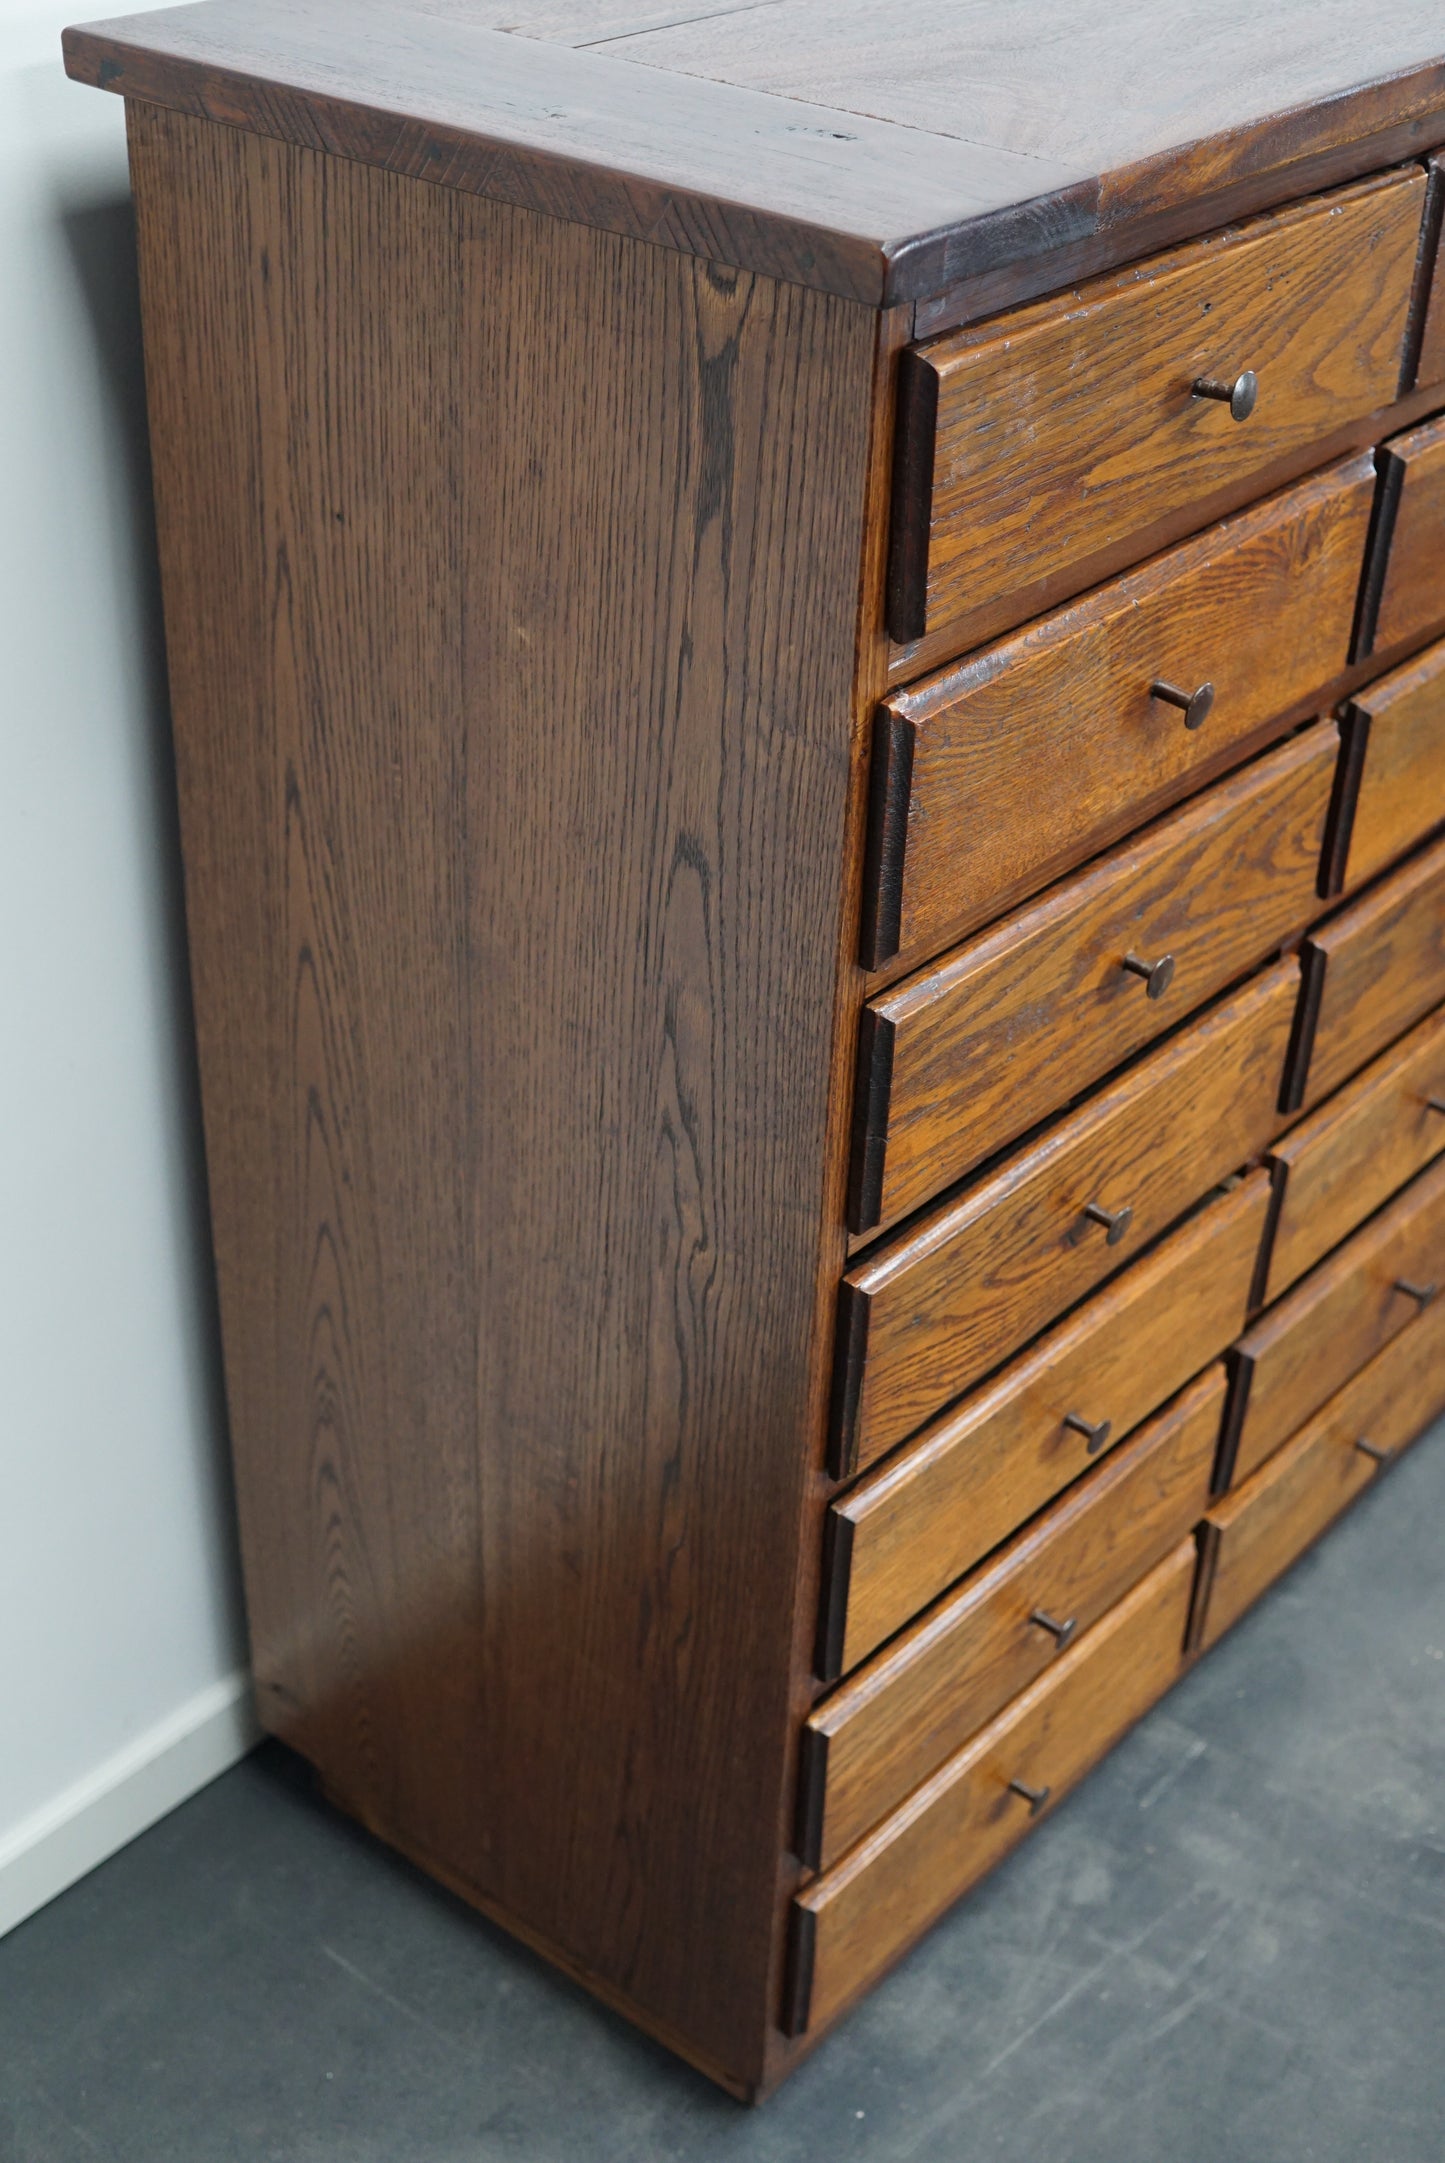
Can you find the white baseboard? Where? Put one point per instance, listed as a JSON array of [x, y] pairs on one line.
[[130, 1791]]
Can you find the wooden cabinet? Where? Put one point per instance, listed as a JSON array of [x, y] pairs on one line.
[[807, 763]]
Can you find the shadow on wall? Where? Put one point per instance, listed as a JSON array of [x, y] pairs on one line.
[[100, 237]]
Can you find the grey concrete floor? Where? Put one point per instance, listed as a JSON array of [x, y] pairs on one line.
[[1228, 1947]]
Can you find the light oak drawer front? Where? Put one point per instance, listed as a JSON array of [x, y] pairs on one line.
[[1392, 772], [1367, 975], [1403, 597], [1253, 1534], [1334, 1320], [1346, 1160], [995, 776], [910, 1529], [939, 1305], [854, 1921], [1074, 425], [889, 1726], [969, 1055]]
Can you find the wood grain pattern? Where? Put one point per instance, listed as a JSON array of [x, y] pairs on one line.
[[893, 1723], [981, 1047], [857, 1918], [1369, 973], [1334, 1321], [940, 1304], [1251, 1536], [1430, 367], [885, 208], [1363, 1144], [1072, 423], [1038, 752], [518, 1217], [1411, 600], [918, 1522], [1399, 793]]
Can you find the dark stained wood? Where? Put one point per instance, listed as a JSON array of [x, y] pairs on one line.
[[963, 1058], [885, 1893], [1072, 423], [1334, 1321], [1430, 366], [1368, 974], [1347, 1159], [924, 1518], [1411, 550], [519, 1290], [660, 133], [1254, 1534], [1399, 795], [1013, 766], [893, 1723], [953, 1294]]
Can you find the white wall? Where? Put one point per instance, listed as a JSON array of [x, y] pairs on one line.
[[120, 1643]]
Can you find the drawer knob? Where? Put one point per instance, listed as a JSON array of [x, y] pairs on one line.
[[1240, 395], [1196, 706], [1371, 1449], [1422, 1294], [1061, 1632], [1158, 975], [1435, 1104], [1116, 1222], [1035, 1797], [1095, 1436]]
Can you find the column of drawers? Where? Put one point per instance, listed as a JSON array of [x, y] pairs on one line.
[[1145, 1215]]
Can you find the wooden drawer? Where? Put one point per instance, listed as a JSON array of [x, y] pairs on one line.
[[892, 1723], [854, 1921], [912, 1528], [969, 1055], [974, 806], [1392, 773], [1403, 597], [1334, 1320], [1367, 974], [1431, 367], [1256, 1532], [1035, 445], [936, 1307]]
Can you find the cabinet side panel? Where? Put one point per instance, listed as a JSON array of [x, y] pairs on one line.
[[511, 574]]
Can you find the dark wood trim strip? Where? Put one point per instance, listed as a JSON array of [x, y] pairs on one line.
[[812, 1796], [1306, 1021], [1236, 1404], [850, 1356], [798, 1989], [914, 442], [1278, 1181], [1391, 472], [1206, 1539], [1430, 224], [872, 1091], [890, 793], [833, 1604], [1340, 819]]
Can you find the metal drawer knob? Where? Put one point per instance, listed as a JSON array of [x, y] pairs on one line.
[[1158, 975], [1197, 705], [1116, 1222], [1035, 1797], [1422, 1294], [1381, 1457], [1095, 1434], [1240, 395], [1061, 1632]]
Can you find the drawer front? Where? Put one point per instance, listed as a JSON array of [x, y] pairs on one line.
[[940, 1305], [1073, 425], [1368, 974], [1362, 1145], [1334, 1321], [966, 1057], [888, 1727], [974, 805], [1403, 597], [1392, 774], [912, 1528], [1256, 1532], [856, 1919]]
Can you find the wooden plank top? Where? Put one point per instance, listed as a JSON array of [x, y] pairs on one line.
[[885, 152]]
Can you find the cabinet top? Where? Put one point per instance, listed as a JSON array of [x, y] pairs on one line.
[[881, 149]]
